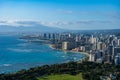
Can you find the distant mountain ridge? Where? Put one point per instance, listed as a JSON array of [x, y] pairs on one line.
[[98, 31], [40, 28]]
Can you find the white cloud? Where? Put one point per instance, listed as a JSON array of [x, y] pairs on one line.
[[64, 24], [52, 23], [18, 23]]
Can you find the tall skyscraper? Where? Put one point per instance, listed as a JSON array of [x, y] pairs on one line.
[[49, 36], [117, 59], [111, 50], [92, 39], [92, 57], [118, 42], [116, 51], [45, 36], [65, 45], [76, 38], [101, 46]]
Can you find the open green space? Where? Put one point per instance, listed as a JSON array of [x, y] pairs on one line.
[[62, 77]]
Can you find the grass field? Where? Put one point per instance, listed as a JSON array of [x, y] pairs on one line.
[[62, 77]]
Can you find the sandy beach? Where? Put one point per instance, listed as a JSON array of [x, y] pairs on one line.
[[84, 53]]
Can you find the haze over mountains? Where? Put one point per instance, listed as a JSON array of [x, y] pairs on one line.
[[26, 26], [33, 26], [40, 28]]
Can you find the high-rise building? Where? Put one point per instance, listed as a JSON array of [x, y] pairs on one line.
[[93, 40], [116, 51], [110, 39], [114, 42], [45, 36], [92, 57], [111, 50], [108, 58], [53, 36], [49, 36], [117, 59], [96, 56], [118, 42], [104, 47], [94, 46], [101, 46], [69, 35], [65, 45], [76, 38]]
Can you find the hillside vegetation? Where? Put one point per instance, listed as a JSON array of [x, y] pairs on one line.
[[89, 70]]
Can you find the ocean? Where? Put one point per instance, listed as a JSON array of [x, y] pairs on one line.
[[16, 54]]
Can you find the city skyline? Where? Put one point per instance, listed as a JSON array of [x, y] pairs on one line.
[[65, 14]]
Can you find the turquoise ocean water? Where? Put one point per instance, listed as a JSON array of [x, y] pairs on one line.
[[16, 54]]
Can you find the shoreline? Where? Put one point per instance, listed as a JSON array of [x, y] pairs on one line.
[[84, 53]]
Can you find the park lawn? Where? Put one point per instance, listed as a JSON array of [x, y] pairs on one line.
[[62, 77]]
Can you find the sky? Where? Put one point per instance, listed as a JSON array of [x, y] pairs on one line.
[[66, 14]]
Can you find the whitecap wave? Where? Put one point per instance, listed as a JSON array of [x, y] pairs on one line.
[[75, 58], [63, 56], [23, 44], [6, 64], [20, 50]]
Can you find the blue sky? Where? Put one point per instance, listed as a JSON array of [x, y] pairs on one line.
[[67, 14]]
